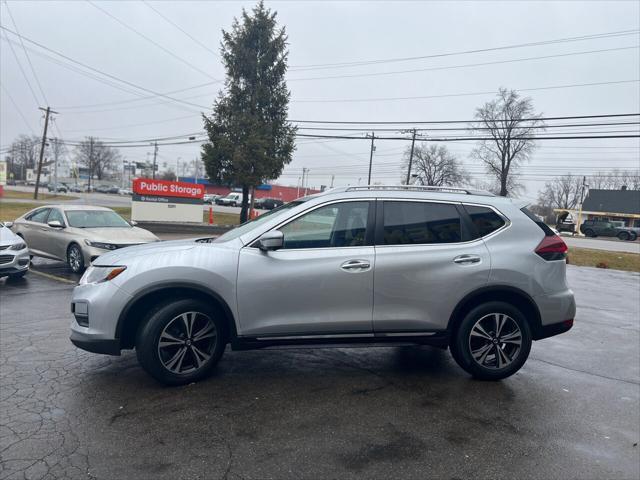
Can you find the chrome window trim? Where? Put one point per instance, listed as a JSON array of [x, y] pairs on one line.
[[507, 222], [309, 210]]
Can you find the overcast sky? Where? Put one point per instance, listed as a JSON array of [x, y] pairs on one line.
[[320, 33]]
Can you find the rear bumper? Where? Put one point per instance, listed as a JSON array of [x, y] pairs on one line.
[[547, 331]]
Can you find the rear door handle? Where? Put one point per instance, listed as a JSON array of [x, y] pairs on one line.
[[355, 265], [466, 259]]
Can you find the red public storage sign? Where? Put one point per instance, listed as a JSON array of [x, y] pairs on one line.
[[164, 188]]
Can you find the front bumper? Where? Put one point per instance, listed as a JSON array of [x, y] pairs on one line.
[[19, 262], [95, 345], [96, 308]]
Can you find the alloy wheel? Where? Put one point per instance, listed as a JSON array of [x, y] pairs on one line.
[[495, 341], [187, 342], [75, 259]]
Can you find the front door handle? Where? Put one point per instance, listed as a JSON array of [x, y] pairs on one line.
[[466, 259], [355, 265]]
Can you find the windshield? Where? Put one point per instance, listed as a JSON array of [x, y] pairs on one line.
[[256, 222], [95, 219]]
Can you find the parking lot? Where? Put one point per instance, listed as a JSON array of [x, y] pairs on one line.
[[571, 412]]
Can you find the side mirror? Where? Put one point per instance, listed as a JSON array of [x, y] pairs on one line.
[[8, 224], [272, 240], [55, 224], [133, 223]]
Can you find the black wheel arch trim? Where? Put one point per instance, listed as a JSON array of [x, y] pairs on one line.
[[233, 333], [536, 322]]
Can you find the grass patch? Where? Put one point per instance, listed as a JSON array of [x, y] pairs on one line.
[[9, 211], [587, 257], [15, 194]]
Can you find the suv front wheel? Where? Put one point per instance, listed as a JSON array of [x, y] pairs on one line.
[[492, 342], [181, 342]]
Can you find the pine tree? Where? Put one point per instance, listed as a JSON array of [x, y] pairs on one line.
[[250, 139]]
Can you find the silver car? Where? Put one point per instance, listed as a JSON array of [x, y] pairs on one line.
[[14, 254], [454, 268], [77, 234]]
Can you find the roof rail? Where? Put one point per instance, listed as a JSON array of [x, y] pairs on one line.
[[425, 188]]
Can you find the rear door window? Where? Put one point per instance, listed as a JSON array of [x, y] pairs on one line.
[[419, 223], [484, 219], [39, 215]]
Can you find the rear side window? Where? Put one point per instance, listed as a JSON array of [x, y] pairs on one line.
[[411, 223], [38, 215], [545, 228], [484, 219]]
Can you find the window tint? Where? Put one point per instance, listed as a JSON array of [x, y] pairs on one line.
[[545, 228], [484, 219], [420, 222], [39, 215], [55, 215], [95, 219], [336, 225]]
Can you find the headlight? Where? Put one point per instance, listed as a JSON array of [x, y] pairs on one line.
[[95, 274], [18, 246], [103, 246]]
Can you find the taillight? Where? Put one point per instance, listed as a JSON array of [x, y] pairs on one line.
[[552, 248]]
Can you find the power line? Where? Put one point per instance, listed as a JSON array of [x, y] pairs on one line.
[[439, 122], [153, 42], [450, 67], [33, 70], [181, 29], [24, 119], [465, 94], [24, 75], [113, 77], [324, 66]]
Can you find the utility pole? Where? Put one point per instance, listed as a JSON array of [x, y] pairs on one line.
[[304, 172], [332, 178], [177, 169], [584, 185], [373, 136], [413, 143], [90, 164], [55, 166], [47, 111], [155, 154]]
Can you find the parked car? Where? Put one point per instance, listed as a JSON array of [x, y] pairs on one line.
[[61, 187], [234, 199], [454, 268], [107, 189], [566, 227], [75, 188], [210, 197], [14, 254], [603, 228], [77, 234], [270, 203], [124, 191]]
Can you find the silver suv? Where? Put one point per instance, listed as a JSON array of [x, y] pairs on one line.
[[447, 267]]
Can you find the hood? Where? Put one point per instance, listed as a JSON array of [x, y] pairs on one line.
[[122, 255], [7, 237], [120, 236]]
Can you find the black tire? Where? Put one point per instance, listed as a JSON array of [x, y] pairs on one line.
[[75, 258], [624, 236], [634, 236], [161, 321], [589, 233], [488, 367], [16, 276]]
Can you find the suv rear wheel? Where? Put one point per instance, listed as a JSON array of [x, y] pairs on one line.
[[624, 236], [589, 233], [492, 342], [181, 341]]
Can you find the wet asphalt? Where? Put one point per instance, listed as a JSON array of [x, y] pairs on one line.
[[573, 411]]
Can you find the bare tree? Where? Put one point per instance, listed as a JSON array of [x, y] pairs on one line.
[[22, 154], [97, 157], [510, 122], [435, 165], [561, 192], [615, 180]]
